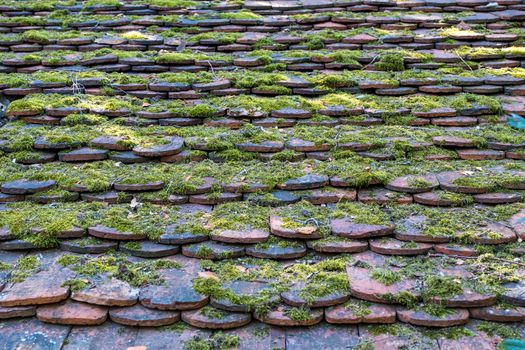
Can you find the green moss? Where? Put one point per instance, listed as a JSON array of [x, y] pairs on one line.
[[453, 333], [262, 332], [211, 312], [476, 181], [36, 36], [201, 111], [391, 61], [91, 3], [364, 344], [230, 155], [404, 298], [436, 309], [358, 307], [40, 225], [274, 241], [239, 216], [396, 329], [24, 267], [75, 285], [409, 245], [14, 80], [458, 199], [317, 280], [361, 213], [452, 222], [441, 287], [148, 218], [204, 252], [419, 182], [173, 58], [304, 215], [136, 274], [218, 341], [287, 155], [22, 143], [501, 330], [323, 284], [465, 101], [178, 327], [385, 276], [242, 14], [132, 245], [134, 35], [298, 313], [222, 38], [207, 286], [83, 119], [68, 259], [23, 105]]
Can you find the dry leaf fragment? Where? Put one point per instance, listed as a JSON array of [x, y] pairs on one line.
[[306, 230], [208, 274]]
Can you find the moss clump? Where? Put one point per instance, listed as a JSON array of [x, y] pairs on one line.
[[40, 225], [239, 216], [137, 274], [453, 333], [476, 181], [385, 276], [364, 344], [83, 119], [261, 303], [22, 143], [361, 213], [500, 330], [409, 245], [287, 155], [242, 14], [133, 35], [358, 307], [222, 38], [470, 236], [173, 57], [314, 280], [391, 62], [435, 309], [36, 36], [465, 101], [324, 283], [419, 182], [457, 199], [204, 252], [147, 218], [178, 328], [24, 105], [274, 241], [201, 111], [132, 245], [24, 267], [230, 155], [298, 313], [305, 217], [218, 341], [91, 3], [68, 259], [452, 222], [207, 286], [211, 312], [404, 298], [76, 284]]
